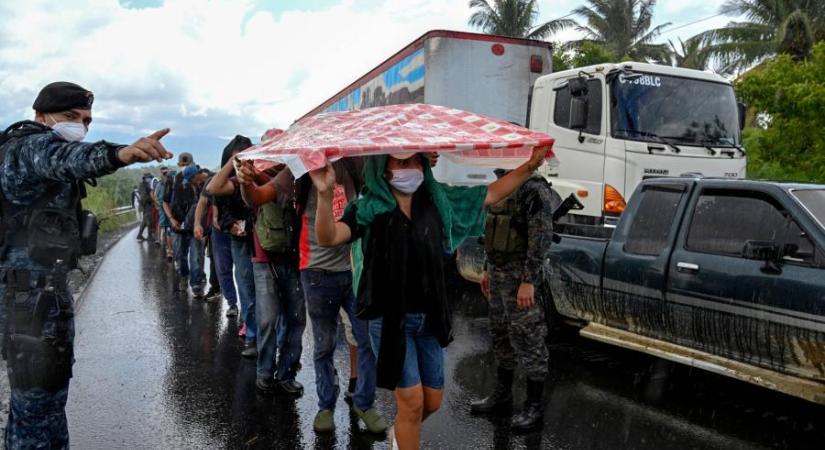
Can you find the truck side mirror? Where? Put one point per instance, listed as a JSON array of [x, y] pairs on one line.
[[767, 251], [578, 113], [742, 110], [577, 86]]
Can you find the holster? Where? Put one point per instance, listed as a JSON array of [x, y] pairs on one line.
[[34, 360]]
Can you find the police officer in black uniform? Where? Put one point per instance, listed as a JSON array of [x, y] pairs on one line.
[[43, 231]]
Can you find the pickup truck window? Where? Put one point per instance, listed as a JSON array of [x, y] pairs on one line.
[[814, 201], [561, 110], [724, 221], [648, 234]]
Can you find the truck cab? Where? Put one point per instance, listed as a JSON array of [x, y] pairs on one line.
[[618, 124]]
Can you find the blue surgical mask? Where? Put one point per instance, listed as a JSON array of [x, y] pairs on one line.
[[407, 180]]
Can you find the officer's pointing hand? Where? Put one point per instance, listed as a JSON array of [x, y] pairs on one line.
[[146, 149]]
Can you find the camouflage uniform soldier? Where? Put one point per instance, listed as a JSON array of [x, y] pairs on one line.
[[43, 231], [517, 237]]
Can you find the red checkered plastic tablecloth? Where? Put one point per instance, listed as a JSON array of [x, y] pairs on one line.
[[461, 136]]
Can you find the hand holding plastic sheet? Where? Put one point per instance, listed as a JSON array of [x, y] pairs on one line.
[[464, 137]]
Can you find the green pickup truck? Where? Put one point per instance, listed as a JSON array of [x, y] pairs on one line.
[[724, 275]]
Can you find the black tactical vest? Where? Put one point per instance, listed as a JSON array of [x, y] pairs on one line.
[[505, 235], [50, 235]]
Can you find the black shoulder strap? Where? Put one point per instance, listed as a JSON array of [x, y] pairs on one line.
[[302, 188], [21, 129], [17, 130], [357, 177]]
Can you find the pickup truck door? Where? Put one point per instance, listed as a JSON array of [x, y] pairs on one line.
[[636, 259], [740, 307]]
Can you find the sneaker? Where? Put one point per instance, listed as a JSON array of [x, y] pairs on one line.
[[197, 292], [324, 421], [213, 293], [242, 331], [140, 238], [291, 388], [232, 311], [249, 350], [170, 257], [372, 419], [265, 385]]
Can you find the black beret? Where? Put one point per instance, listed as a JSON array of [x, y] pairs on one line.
[[62, 96]]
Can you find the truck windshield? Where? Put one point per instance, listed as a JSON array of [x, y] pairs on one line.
[[644, 106], [814, 202]]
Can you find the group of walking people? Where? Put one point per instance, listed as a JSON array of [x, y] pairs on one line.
[[361, 243]]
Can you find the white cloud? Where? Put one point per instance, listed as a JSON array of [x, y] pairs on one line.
[[206, 67], [213, 69]]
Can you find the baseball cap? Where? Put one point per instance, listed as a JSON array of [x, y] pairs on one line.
[[184, 159]]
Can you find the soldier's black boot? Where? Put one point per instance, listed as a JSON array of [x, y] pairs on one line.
[[532, 416], [502, 397]]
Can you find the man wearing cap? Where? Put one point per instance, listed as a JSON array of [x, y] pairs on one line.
[[178, 199], [147, 207], [163, 220], [42, 234]]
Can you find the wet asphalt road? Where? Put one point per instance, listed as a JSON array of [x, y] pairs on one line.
[[155, 370]]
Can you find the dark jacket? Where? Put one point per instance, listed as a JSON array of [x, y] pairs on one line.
[[43, 161], [403, 273]]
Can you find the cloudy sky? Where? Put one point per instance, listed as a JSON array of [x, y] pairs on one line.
[[211, 69]]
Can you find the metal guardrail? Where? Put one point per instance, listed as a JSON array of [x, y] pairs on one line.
[[117, 212]]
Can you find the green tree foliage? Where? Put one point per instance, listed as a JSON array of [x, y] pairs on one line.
[[771, 27], [114, 191], [789, 98], [515, 18], [623, 28], [690, 54], [588, 54]]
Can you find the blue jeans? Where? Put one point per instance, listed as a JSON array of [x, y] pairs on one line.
[[326, 293], [245, 279], [222, 252], [190, 258], [282, 317], [423, 358]]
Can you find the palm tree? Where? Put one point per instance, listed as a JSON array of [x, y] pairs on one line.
[[690, 54], [771, 27], [513, 18], [623, 27]]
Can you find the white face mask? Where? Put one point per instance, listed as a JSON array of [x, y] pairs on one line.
[[70, 131], [407, 180]]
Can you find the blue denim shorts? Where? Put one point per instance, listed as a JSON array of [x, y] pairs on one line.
[[424, 357]]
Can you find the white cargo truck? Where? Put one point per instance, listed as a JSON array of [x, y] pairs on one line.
[[618, 124], [614, 124], [485, 74]]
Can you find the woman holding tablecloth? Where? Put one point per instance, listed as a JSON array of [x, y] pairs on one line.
[[405, 221]]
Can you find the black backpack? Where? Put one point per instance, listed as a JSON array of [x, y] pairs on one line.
[[183, 198], [145, 192]]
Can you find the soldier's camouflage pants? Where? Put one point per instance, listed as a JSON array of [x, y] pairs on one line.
[[518, 335], [37, 419]]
